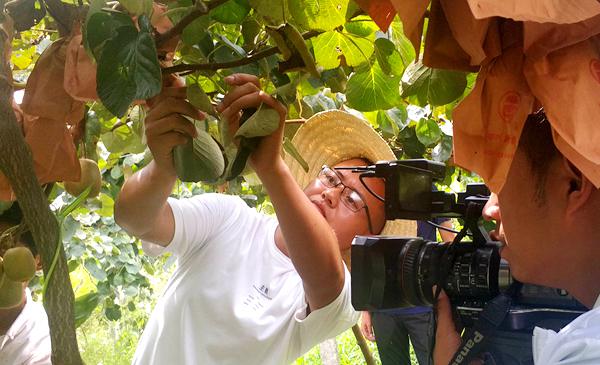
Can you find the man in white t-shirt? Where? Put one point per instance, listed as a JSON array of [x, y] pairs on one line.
[[24, 331], [249, 288]]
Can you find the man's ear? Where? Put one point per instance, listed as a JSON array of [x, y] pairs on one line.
[[580, 188]]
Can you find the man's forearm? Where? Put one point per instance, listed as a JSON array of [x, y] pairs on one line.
[[311, 243], [142, 199]]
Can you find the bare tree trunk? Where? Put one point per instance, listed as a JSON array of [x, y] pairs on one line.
[[16, 163], [362, 343]]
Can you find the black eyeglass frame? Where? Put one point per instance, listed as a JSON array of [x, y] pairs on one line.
[[328, 185]]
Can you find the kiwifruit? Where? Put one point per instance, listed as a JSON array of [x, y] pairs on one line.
[[90, 176], [11, 292], [19, 264]]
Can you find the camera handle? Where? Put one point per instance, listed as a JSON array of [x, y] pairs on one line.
[[489, 320]]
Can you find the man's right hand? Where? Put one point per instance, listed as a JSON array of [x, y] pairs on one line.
[[366, 326], [165, 126], [141, 208]]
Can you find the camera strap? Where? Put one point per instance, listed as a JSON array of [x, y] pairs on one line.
[[475, 339]]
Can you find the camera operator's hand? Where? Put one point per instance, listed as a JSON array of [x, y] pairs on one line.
[[447, 339], [246, 93], [366, 327]]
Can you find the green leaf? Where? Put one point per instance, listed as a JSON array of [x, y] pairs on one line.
[[275, 12], [91, 265], [198, 98], [434, 86], [387, 126], [371, 89], [196, 31], [319, 102], [335, 79], [108, 205], [113, 313], [232, 12], [329, 46], [361, 25], [123, 140], [319, 14], [84, 306], [291, 150], [250, 29], [398, 115], [100, 28], [128, 69], [23, 58], [388, 57], [443, 150], [428, 131], [446, 86], [411, 146], [262, 123], [137, 7], [402, 44]]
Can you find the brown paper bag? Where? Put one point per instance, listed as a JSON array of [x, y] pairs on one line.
[[442, 49], [488, 123], [80, 72], [381, 11], [543, 38], [55, 161], [567, 83], [540, 11], [412, 13]]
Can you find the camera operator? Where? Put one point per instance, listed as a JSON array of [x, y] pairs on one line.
[[547, 216]]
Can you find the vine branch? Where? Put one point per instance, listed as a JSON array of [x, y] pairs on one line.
[[231, 64], [201, 8], [16, 164]]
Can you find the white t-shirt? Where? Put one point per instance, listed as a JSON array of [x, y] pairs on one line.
[[234, 298], [27, 342], [577, 343]]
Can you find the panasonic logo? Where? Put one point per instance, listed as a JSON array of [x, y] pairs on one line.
[[462, 356]]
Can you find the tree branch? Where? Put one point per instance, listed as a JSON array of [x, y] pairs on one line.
[[202, 8], [17, 165], [213, 66], [223, 65]]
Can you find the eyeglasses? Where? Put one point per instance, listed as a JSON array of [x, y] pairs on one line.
[[350, 197]]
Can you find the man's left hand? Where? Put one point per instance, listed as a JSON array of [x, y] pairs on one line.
[[246, 93]]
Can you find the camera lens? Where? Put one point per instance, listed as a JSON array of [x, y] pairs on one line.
[[468, 273]]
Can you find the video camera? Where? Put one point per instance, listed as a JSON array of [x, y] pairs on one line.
[[392, 272]]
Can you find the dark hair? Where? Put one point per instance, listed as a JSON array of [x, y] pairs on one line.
[[538, 145], [14, 216]]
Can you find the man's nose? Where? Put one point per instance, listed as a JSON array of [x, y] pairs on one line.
[[331, 196], [491, 210]]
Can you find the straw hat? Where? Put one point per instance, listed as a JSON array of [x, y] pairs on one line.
[[333, 136]]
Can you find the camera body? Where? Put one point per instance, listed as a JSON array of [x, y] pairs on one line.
[[392, 272]]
